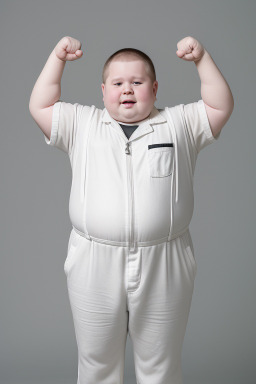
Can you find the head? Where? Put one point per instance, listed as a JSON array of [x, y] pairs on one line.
[[129, 74]]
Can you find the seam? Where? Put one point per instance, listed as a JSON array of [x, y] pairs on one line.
[[55, 124], [185, 127], [135, 290], [206, 124]]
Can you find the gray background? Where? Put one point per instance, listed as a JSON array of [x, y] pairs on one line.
[[37, 340]]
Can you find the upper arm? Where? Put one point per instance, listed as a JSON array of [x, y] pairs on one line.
[[43, 118], [217, 119]]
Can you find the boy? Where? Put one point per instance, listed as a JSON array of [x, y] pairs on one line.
[[130, 264]]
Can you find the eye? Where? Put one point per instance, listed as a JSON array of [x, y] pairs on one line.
[[117, 83], [137, 82]]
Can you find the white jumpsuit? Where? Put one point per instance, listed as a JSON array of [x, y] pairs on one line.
[[130, 263]]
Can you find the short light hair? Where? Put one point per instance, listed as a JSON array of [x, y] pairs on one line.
[[130, 52]]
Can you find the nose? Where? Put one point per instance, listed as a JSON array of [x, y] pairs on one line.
[[127, 88]]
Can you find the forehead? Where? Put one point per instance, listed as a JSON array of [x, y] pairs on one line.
[[127, 66]]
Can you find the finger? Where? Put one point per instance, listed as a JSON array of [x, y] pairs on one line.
[[79, 53], [181, 52], [72, 45], [72, 56], [188, 57]]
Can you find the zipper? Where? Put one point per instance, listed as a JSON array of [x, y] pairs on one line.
[[130, 194]]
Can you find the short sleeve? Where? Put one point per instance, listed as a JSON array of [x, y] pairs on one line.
[[198, 125], [65, 120]]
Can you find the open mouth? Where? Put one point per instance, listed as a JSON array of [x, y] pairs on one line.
[[128, 102]]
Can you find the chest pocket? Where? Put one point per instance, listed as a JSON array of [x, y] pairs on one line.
[[160, 159]]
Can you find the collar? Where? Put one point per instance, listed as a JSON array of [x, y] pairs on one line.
[[155, 117]]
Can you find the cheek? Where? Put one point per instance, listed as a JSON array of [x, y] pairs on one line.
[[146, 94], [113, 97]]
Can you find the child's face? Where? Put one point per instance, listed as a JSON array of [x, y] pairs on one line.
[[129, 80]]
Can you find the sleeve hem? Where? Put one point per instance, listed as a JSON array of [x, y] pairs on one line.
[[206, 124], [55, 124]]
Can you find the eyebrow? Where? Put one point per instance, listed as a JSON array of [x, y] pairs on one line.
[[133, 77]]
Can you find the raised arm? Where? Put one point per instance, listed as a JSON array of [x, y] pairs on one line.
[[47, 89], [215, 91]]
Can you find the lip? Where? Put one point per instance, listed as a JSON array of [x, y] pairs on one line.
[[132, 101], [128, 105]]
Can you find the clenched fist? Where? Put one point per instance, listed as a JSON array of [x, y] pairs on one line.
[[68, 49], [190, 49]]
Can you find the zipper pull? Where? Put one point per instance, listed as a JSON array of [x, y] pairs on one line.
[[127, 149]]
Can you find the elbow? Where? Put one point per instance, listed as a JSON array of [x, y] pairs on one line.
[[30, 106], [32, 111], [232, 103], [230, 107]]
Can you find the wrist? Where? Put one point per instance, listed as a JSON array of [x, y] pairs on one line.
[[204, 57], [56, 57]]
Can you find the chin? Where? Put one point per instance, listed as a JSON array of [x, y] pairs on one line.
[[130, 120]]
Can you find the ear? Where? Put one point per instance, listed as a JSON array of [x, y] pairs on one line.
[[155, 87], [103, 89]]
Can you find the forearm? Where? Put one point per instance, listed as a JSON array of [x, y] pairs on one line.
[[47, 89], [215, 91]]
